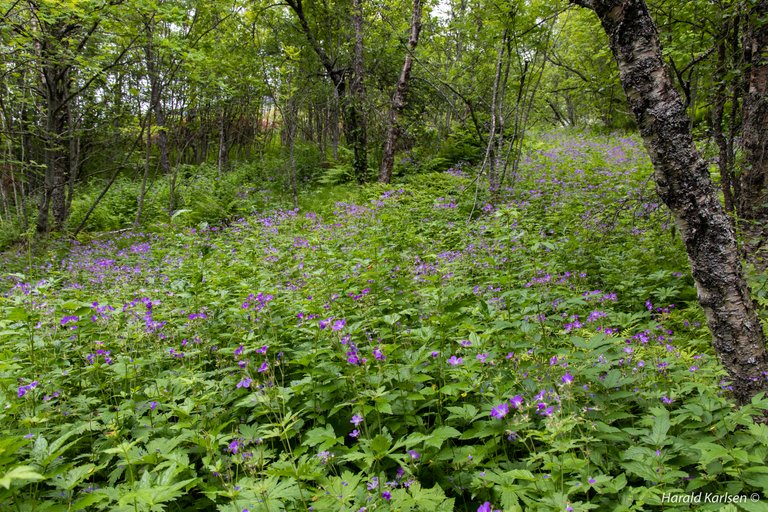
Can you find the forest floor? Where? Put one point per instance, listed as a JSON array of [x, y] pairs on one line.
[[403, 347]]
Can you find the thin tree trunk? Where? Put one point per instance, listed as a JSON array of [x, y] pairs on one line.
[[718, 111], [145, 176], [221, 160], [683, 182], [398, 99], [333, 123], [291, 116], [354, 123], [74, 160], [358, 125], [733, 122], [754, 175], [490, 148], [156, 107]]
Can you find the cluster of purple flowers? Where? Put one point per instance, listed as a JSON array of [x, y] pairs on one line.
[[53, 395], [573, 324], [356, 420], [151, 325], [194, 316], [358, 296], [442, 202], [336, 325], [70, 319], [501, 410], [23, 390], [257, 302], [101, 312], [599, 296], [100, 353], [245, 382]]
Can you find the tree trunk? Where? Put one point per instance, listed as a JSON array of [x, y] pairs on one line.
[[290, 122], [156, 107], [398, 99], [145, 175], [754, 175], [221, 160], [56, 86], [351, 112], [736, 94], [358, 129], [683, 183], [491, 149], [74, 158], [718, 111]]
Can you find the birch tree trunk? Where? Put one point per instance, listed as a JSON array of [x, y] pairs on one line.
[[683, 182], [398, 99]]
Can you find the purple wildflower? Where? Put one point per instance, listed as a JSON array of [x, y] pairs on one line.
[[67, 319], [500, 411], [23, 390], [567, 378], [516, 401], [543, 410], [453, 361]]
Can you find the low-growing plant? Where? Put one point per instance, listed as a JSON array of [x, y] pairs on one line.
[[375, 350]]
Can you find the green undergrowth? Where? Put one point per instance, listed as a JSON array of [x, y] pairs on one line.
[[404, 347]]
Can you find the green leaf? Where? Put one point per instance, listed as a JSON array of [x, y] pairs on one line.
[[440, 435], [660, 426], [323, 436], [380, 444], [711, 451], [76, 475], [23, 473]]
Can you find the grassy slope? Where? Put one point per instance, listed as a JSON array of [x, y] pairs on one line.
[[364, 352]]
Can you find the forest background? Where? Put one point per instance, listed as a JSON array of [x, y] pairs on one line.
[[480, 229]]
